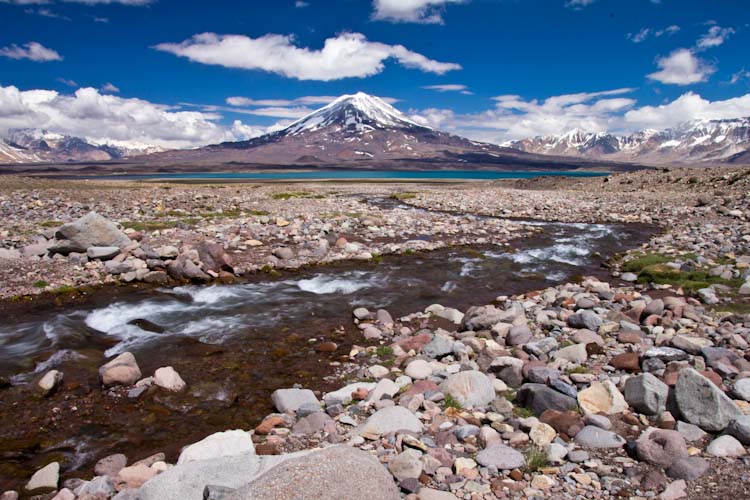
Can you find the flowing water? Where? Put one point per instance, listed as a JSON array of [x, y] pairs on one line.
[[235, 344]]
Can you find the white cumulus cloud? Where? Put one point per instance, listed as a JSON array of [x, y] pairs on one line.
[[33, 51], [411, 11], [86, 2], [344, 56], [682, 67], [107, 118], [449, 88], [578, 4], [689, 106], [715, 36]]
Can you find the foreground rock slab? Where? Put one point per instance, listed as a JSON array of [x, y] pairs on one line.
[[334, 473]]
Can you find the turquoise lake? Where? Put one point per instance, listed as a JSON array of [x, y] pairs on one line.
[[353, 175]]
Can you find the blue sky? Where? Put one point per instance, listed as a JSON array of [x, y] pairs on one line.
[[491, 69]]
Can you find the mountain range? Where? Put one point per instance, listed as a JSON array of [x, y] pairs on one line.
[[363, 131], [37, 146], [700, 141]]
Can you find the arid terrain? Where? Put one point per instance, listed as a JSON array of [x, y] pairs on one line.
[[565, 338]]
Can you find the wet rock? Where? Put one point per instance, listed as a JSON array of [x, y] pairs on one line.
[[218, 445], [283, 253], [501, 457], [390, 419], [594, 437], [99, 487], [167, 378], [91, 230], [123, 370], [45, 478], [702, 403], [111, 465], [334, 473], [688, 468], [289, 400], [50, 382], [726, 446], [214, 257], [602, 397], [647, 394], [661, 447], [470, 388]]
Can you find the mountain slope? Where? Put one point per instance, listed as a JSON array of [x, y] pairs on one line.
[[359, 130], [698, 141]]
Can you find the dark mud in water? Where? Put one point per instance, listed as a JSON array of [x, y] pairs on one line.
[[235, 344]]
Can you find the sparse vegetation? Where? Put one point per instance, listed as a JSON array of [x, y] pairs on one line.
[[51, 223], [535, 459], [384, 351], [522, 412], [577, 369], [41, 284], [299, 194], [451, 402], [407, 195]]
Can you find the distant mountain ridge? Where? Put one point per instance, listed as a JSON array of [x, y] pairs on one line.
[[37, 146], [700, 141]]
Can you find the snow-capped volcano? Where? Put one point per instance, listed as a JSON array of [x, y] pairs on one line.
[[697, 141], [359, 112], [360, 130]]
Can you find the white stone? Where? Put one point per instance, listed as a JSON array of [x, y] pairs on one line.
[[221, 444], [167, 378]]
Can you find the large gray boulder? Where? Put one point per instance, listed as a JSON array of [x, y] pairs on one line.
[[91, 230], [470, 388], [502, 457], [647, 394], [334, 473], [702, 403], [290, 400], [187, 481], [540, 398], [390, 419]]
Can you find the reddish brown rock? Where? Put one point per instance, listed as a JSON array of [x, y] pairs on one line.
[[627, 361], [416, 342], [268, 424], [630, 337], [327, 347], [564, 422]]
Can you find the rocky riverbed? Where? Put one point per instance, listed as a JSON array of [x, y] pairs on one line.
[[629, 385]]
